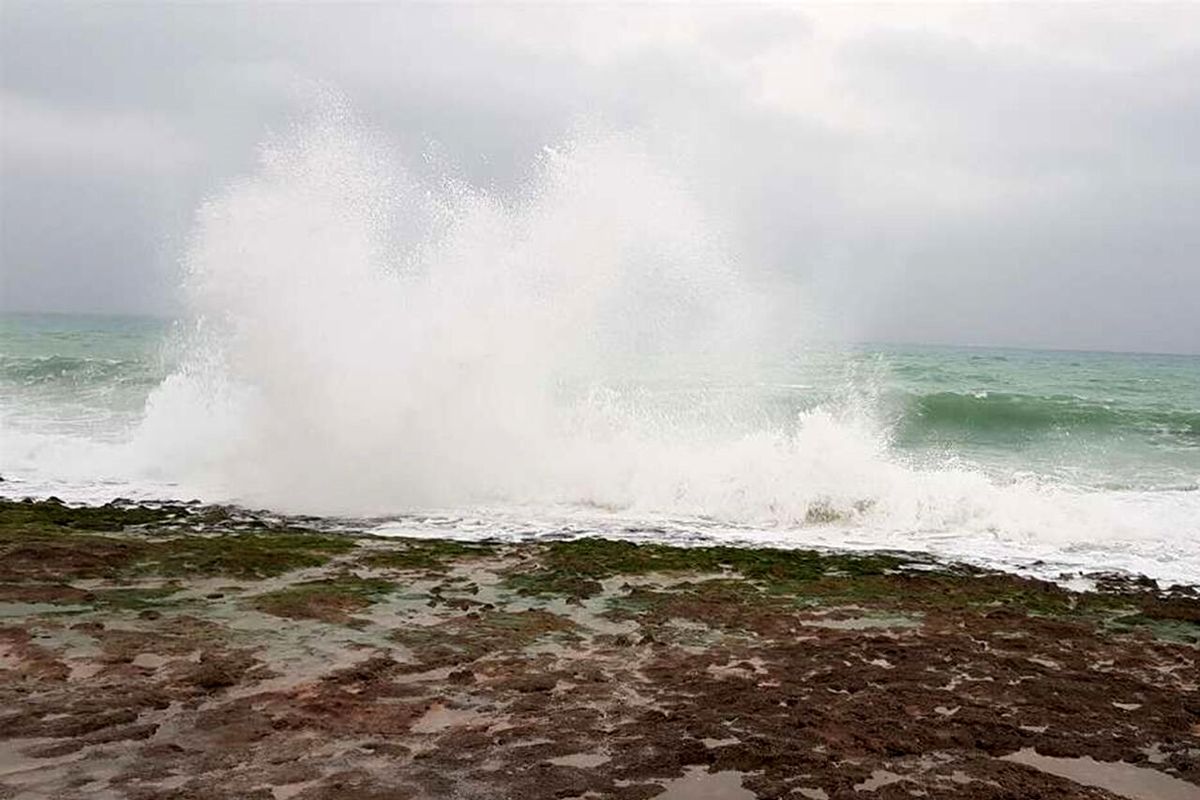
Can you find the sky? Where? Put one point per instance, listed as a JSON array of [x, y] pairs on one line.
[[1003, 175]]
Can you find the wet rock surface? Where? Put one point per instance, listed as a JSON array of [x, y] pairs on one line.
[[189, 652]]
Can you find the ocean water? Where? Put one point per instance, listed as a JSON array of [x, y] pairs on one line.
[[1083, 461], [364, 342]]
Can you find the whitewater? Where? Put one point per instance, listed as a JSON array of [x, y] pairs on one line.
[[370, 342]]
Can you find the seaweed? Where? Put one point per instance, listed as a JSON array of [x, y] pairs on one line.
[[328, 599], [574, 568], [429, 555]]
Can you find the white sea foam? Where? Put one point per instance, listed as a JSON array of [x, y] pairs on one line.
[[343, 362], [367, 343]]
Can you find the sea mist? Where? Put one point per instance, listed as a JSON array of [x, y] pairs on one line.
[[578, 355]]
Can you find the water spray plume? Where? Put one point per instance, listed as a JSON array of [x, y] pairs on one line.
[[580, 355]]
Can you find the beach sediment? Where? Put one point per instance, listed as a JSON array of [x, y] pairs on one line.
[[177, 651]]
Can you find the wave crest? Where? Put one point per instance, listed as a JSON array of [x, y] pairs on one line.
[[1011, 414]]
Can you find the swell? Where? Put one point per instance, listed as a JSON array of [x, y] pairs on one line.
[[48, 371], [1002, 414]]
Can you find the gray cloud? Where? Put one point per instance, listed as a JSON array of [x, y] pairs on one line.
[[1008, 175]]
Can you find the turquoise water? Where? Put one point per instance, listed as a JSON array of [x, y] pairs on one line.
[[1033, 433], [84, 374], [1110, 420], [1107, 420]]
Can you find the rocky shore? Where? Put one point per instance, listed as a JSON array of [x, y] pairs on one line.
[[172, 652]]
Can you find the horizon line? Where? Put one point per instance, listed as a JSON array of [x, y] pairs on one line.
[[1032, 348]]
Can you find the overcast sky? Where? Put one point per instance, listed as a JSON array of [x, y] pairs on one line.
[[985, 175]]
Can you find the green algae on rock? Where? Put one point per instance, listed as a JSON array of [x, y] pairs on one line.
[[214, 654], [330, 599], [430, 555]]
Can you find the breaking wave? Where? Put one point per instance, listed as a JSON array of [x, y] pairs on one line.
[[1022, 415], [364, 339]]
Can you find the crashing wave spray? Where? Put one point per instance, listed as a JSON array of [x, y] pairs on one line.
[[364, 340], [369, 343]]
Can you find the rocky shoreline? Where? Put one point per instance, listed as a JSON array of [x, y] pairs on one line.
[[157, 652]]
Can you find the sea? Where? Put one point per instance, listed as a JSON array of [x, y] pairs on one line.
[[1048, 462], [382, 345]]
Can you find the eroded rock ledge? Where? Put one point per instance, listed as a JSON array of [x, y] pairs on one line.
[[199, 652]]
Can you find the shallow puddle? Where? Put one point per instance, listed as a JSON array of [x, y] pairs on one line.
[[581, 760], [1126, 780], [879, 778], [149, 660], [711, 743], [700, 784], [863, 623], [33, 609], [34, 774], [439, 718], [740, 668]]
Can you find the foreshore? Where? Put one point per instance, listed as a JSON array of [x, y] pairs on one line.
[[184, 651]]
